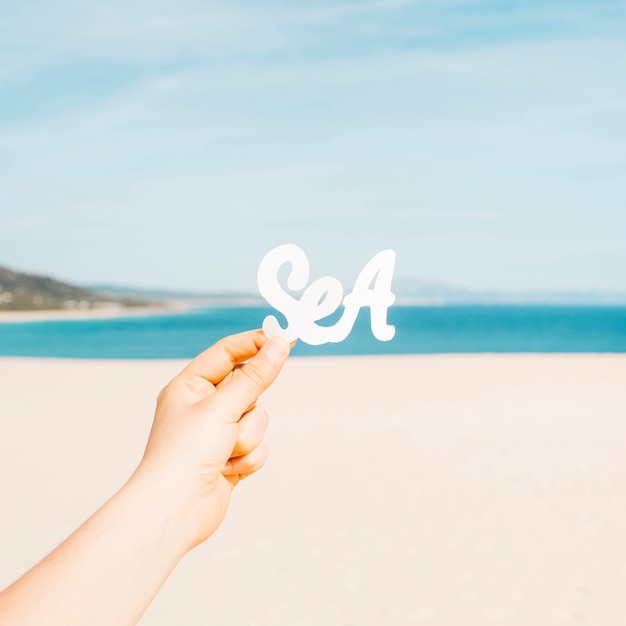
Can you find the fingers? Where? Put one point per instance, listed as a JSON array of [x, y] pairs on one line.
[[229, 375], [217, 361], [250, 431], [243, 466], [250, 451], [235, 396]]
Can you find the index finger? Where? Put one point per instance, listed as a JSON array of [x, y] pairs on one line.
[[216, 362]]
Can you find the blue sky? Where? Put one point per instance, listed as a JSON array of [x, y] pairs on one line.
[[173, 143]]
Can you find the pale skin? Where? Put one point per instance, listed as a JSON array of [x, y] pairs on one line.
[[207, 435]]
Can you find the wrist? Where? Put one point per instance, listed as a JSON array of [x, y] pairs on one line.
[[165, 503], [191, 507]]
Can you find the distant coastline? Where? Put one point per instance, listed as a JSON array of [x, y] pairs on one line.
[[7, 317], [113, 310], [174, 307], [32, 297]]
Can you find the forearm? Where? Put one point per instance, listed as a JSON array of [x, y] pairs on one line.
[[109, 570]]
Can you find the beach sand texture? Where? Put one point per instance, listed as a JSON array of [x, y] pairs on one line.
[[400, 490]]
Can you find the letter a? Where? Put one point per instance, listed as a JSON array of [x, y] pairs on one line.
[[378, 271]]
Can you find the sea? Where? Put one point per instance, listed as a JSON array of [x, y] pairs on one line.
[[419, 330]]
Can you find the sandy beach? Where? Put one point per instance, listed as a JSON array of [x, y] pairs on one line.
[[440, 490]]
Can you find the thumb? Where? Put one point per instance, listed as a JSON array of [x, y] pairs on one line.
[[235, 397]]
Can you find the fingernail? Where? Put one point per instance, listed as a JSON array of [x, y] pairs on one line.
[[277, 348]]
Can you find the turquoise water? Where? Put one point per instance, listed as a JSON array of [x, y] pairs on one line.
[[419, 330]]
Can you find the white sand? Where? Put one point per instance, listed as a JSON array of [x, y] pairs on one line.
[[444, 490]]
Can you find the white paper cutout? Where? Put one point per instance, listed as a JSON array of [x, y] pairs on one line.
[[324, 296]]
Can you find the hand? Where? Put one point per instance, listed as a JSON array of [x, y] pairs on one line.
[[208, 431], [207, 435]]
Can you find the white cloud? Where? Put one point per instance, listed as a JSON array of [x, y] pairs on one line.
[[45, 33]]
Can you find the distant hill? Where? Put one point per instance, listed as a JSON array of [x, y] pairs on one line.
[[33, 292]]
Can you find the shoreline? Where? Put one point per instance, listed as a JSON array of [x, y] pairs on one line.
[[174, 306], [11, 317]]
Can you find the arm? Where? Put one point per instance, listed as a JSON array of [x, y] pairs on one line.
[[207, 435]]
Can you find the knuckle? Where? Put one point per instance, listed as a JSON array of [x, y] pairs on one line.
[[221, 343], [255, 460], [257, 466], [263, 453], [257, 417], [261, 415], [224, 345], [260, 463], [254, 466], [163, 394], [250, 434], [254, 374], [244, 445]]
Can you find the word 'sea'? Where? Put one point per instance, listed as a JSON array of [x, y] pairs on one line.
[[324, 296]]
